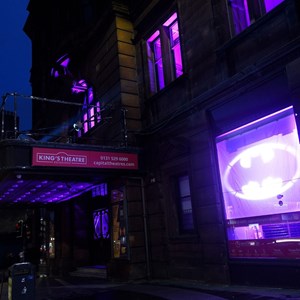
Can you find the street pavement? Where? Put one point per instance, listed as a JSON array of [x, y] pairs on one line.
[[75, 287]]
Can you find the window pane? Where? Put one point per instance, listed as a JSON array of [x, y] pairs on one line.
[[155, 63], [270, 4], [157, 49], [164, 56], [92, 117], [159, 75], [175, 47], [185, 209], [259, 166], [177, 60], [85, 123], [184, 187], [240, 15], [246, 12], [160, 83], [186, 205]]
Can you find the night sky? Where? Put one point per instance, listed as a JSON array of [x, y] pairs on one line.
[[15, 59]]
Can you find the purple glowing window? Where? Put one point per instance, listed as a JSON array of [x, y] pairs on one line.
[[99, 190], [85, 123], [159, 69], [101, 224], [61, 67], [175, 48], [257, 163], [79, 86], [270, 4], [246, 12], [155, 63], [92, 117], [259, 166], [164, 55]]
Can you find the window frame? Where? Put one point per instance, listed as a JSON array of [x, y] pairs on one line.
[[179, 203], [168, 71], [248, 13]]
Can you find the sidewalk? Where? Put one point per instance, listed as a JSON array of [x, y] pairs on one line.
[[57, 288]]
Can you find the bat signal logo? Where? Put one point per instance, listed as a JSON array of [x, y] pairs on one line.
[[262, 171]]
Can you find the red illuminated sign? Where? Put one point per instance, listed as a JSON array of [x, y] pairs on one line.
[[49, 157]]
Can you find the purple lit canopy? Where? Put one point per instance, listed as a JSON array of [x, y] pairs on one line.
[[37, 189]]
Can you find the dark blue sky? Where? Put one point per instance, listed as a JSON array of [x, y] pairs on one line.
[[15, 59]]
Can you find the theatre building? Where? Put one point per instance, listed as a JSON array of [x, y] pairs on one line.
[[165, 139]]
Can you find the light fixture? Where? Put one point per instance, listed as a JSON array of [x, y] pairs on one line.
[[77, 126]]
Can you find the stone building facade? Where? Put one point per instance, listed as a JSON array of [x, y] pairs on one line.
[[173, 79]]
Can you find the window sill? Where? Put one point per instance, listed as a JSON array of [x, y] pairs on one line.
[[175, 82]]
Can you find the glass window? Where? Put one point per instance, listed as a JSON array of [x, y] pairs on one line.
[[185, 210], [101, 224], [259, 166], [91, 113], [159, 69], [246, 12], [164, 55], [175, 49]]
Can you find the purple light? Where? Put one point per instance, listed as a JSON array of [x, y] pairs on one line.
[[270, 4], [90, 95], [258, 162], [241, 13], [85, 123], [170, 20], [61, 68], [158, 64], [28, 193], [176, 50], [155, 62], [101, 224], [79, 86]]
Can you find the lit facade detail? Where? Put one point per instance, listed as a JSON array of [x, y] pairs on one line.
[[164, 56], [246, 12], [91, 107], [101, 224], [259, 166]]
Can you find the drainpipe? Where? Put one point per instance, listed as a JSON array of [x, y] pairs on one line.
[[145, 226], [145, 230]]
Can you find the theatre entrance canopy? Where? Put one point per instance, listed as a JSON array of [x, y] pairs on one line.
[[35, 173]]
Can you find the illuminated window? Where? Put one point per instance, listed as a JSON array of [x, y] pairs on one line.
[[164, 55], [185, 210], [101, 224], [259, 166], [91, 112], [91, 107], [246, 12]]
